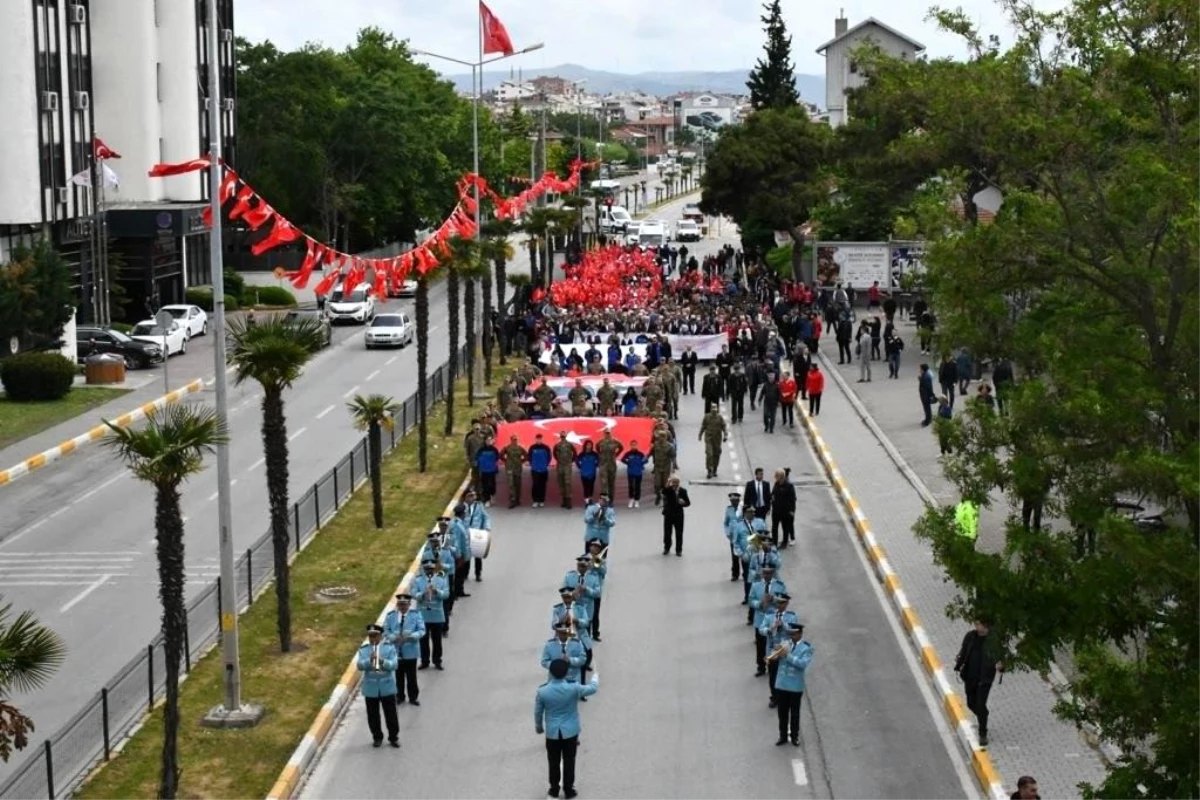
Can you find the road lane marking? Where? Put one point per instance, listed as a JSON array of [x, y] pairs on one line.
[[390, 361], [297, 433], [77, 598], [256, 464], [212, 496], [325, 411], [24, 531], [5, 584], [57, 554], [350, 393], [799, 773], [104, 485], [373, 374]]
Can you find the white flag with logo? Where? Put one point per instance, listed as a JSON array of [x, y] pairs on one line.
[[84, 178]]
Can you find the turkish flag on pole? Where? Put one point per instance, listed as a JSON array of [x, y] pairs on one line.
[[495, 35], [101, 151]]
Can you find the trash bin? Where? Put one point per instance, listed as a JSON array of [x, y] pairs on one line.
[[104, 369]]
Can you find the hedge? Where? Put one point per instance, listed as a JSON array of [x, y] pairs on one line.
[[37, 376], [268, 296], [202, 296]]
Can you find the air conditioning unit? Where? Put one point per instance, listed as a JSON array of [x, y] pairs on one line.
[[49, 101], [227, 35], [63, 194], [227, 104], [81, 100], [77, 14]]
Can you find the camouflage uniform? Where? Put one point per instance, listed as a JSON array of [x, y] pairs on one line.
[[652, 392], [564, 456], [606, 396], [663, 454], [713, 431], [544, 397], [473, 441], [506, 394], [608, 448], [514, 462], [514, 412], [579, 400]]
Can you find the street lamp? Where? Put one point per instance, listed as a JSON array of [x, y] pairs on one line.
[[476, 91]]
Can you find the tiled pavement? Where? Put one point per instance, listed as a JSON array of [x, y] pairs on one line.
[[1025, 736]]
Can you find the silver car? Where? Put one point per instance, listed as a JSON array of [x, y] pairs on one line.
[[389, 330]]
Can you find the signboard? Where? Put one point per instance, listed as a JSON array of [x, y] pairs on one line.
[[908, 258], [856, 264]]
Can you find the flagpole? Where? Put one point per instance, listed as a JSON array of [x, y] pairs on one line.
[[94, 239], [476, 360], [104, 312]]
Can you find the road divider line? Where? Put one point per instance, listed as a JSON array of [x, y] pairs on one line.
[[373, 374], [390, 361], [40, 460], [325, 411], [101, 487], [256, 465], [292, 437], [981, 762], [79, 597], [350, 392], [305, 754], [799, 773]]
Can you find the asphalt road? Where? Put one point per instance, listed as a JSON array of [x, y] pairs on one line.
[[679, 713], [77, 537]]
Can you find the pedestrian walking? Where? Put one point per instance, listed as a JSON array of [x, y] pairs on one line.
[[714, 433], [478, 518], [738, 384], [943, 434], [783, 509], [977, 664], [662, 453], [710, 388], [675, 500], [862, 351], [609, 449], [735, 534], [787, 400], [404, 628], [573, 613], [757, 495], [795, 657], [561, 647], [588, 463], [926, 395], [1027, 789], [769, 397], [893, 346], [688, 361], [964, 366], [377, 660], [564, 459], [556, 715], [763, 590], [815, 383], [431, 591], [635, 466], [773, 627], [488, 462], [1002, 377]]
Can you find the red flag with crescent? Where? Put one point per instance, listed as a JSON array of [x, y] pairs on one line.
[[580, 429]]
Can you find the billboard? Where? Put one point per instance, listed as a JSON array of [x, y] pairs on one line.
[[857, 264], [908, 258]]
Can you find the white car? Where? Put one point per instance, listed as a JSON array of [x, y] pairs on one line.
[[406, 289], [687, 230], [631, 234], [358, 307], [148, 331], [191, 317], [389, 330]]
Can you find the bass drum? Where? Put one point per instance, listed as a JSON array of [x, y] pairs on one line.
[[481, 543]]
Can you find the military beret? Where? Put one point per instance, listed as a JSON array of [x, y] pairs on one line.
[[374, 627]]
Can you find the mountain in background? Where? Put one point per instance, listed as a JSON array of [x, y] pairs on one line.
[[661, 84]]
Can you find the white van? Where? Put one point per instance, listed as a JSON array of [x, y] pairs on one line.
[[358, 307], [653, 234], [614, 219]]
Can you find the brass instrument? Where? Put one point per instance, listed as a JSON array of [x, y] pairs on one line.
[[778, 652], [600, 558], [374, 658], [572, 631]]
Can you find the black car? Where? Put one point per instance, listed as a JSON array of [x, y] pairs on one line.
[[313, 313], [137, 354]]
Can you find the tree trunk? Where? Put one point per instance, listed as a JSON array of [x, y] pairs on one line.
[[453, 309], [489, 340], [502, 305], [168, 525], [534, 250], [422, 303], [275, 447], [375, 464], [472, 351], [800, 268], [548, 271]]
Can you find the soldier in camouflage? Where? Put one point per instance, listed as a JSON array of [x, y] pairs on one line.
[[606, 396], [564, 458], [608, 448], [513, 457], [580, 400], [714, 432], [663, 455]]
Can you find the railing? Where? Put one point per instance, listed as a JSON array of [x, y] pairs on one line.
[[93, 733]]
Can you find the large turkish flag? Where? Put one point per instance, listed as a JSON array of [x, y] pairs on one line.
[[562, 386], [579, 429]]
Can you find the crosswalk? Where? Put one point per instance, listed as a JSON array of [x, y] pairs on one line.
[[57, 569]]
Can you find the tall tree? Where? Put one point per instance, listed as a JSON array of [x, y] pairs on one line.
[[165, 452], [35, 296], [772, 82], [273, 353], [422, 309], [459, 264], [499, 250], [374, 414]]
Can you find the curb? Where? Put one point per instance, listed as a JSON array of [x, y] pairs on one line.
[[318, 733], [71, 445], [952, 704]]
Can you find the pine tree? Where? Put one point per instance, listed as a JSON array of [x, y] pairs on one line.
[[772, 82]]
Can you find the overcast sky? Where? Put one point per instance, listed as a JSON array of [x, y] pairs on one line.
[[615, 35]]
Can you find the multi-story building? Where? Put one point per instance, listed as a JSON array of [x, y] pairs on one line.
[[841, 70], [704, 110], [133, 72]]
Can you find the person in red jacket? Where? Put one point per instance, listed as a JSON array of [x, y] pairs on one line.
[[815, 341], [787, 399], [815, 383]]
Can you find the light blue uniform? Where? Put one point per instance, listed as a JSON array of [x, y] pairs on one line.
[[431, 608], [570, 651], [582, 621], [442, 555], [556, 707], [742, 534], [591, 589], [777, 635], [477, 517], [598, 524], [792, 667], [381, 682], [759, 590], [405, 634], [460, 538], [756, 561], [730, 524]]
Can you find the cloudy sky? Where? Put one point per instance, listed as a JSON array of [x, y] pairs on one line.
[[615, 35]]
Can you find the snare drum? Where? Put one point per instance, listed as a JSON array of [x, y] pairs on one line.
[[481, 543]]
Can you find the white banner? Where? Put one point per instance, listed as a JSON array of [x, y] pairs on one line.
[[853, 264], [705, 347]]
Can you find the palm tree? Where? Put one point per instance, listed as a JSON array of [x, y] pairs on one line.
[[374, 414], [170, 448], [537, 225], [497, 248], [29, 655], [560, 224], [459, 261], [422, 304], [273, 352]]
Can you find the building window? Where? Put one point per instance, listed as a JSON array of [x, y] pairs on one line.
[[853, 67]]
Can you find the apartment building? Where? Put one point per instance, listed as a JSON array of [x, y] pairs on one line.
[[841, 70]]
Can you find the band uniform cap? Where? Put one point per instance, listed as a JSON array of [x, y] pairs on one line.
[[559, 668], [460, 510], [374, 627], [404, 596], [795, 627], [566, 590], [595, 541], [586, 558], [429, 562], [443, 519], [605, 496], [562, 625], [735, 496], [766, 567], [433, 535], [783, 596]]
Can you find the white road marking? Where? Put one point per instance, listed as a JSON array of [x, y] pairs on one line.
[[390, 361], [104, 485], [373, 374], [63, 564], [29, 529], [297, 433], [77, 598], [256, 465], [350, 393], [212, 497], [5, 584], [57, 554], [325, 411], [799, 773]]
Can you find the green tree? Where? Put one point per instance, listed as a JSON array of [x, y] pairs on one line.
[[460, 264], [374, 414], [29, 655], [36, 296], [499, 250], [273, 352], [422, 312], [165, 452], [772, 82], [537, 224]]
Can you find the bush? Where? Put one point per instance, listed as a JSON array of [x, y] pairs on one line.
[[202, 296], [269, 296], [123, 327], [235, 284], [37, 376]]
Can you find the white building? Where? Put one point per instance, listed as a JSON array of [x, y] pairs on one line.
[[133, 72], [841, 70], [512, 91]]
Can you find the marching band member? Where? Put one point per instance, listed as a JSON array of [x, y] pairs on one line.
[[576, 617], [431, 591], [598, 566], [562, 646], [377, 661], [459, 538], [587, 588], [751, 531], [789, 683], [404, 628], [761, 593], [556, 714], [476, 517], [765, 554], [441, 553], [736, 534], [599, 518], [774, 626]]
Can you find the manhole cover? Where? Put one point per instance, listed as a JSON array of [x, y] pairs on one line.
[[337, 592]]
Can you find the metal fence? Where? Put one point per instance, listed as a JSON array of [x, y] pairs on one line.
[[93, 733]]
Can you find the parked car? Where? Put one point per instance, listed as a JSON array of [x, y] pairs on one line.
[[687, 230], [358, 307], [149, 331], [193, 318], [312, 313], [389, 330], [137, 354], [408, 288]]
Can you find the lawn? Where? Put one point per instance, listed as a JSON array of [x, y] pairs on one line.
[[20, 420], [348, 551]]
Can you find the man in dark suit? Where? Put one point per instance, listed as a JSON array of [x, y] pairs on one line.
[[675, 500], [688, 361], [710, 389], [758, 495], [783, 508], [724, 362]]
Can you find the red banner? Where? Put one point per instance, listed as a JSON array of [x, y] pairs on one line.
[[563, 386], [579, 429]]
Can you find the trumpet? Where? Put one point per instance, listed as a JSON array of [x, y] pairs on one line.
[[778, 652], [599, 559], [574, 634], [374, 658]]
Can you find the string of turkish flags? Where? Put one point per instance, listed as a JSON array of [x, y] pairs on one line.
[[240, 202]]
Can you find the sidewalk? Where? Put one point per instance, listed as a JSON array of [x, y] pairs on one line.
[[1025, 736]]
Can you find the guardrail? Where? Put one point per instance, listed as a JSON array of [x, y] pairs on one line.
[[94, 733]]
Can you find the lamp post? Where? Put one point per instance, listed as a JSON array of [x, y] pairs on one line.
[[476, 91]]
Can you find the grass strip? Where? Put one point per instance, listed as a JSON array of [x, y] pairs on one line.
[[22, 420], [348, 551]]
